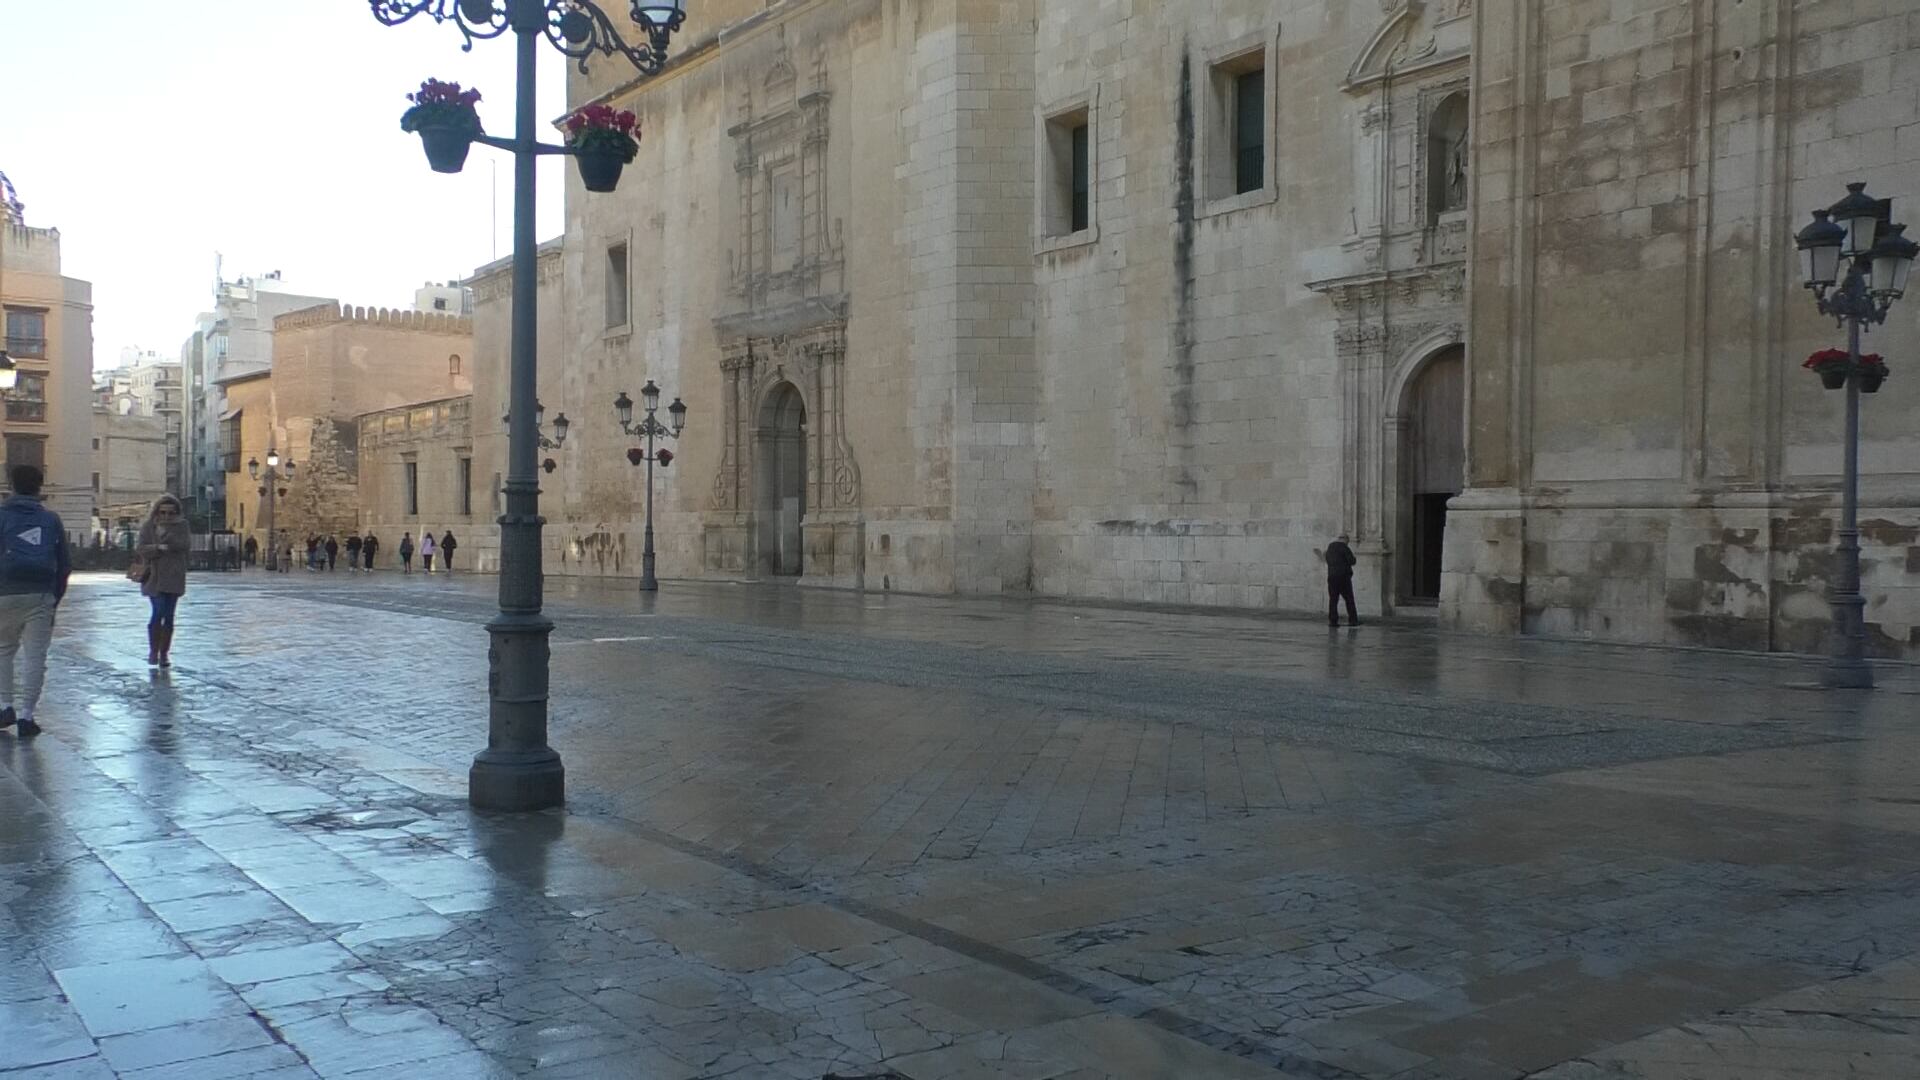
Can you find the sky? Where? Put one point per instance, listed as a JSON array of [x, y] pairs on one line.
[[268, 131]]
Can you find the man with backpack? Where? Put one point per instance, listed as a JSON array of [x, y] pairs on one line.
[[34, 567]]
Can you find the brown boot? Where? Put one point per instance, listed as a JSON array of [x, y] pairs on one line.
[[166, 644], [153, 646]]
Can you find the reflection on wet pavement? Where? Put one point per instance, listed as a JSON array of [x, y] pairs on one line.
[[816, 833]]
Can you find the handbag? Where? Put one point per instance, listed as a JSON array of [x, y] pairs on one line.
[[137, 570]]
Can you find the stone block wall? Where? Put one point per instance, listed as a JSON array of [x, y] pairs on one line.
[[1648, 460], [434, 437], [1184, 401]]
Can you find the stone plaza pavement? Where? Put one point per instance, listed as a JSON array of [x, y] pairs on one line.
[[871, 835]]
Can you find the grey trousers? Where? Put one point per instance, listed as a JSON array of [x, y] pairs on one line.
[[26, 626]]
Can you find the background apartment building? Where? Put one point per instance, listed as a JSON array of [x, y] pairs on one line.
[[47, 419], [234, 339]]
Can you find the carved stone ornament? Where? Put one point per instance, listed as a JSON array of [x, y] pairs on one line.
[[814, 362], [1409, 39]]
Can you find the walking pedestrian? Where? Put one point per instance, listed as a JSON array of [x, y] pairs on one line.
[[34, 567], [406, 553], [286, 556], [1340, 563], [333, 553], [426, 550], [447, 544], [313, 553], [353, 553], [252, 550], [163, 545], [367, 548]]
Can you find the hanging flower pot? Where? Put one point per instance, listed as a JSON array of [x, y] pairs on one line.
[[600, 169], [447, 122], [1873, 372], [1831, 365], [604, 141], [446, 147]]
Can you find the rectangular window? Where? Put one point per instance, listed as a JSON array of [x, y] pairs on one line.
[[96, 483], [1250, 131], [230, 444], [1082, 165], [413, 488], [1234, 122], [1067, 168], [26, 451], [616, 286], [28, 401], [466, 487], [27, 333]]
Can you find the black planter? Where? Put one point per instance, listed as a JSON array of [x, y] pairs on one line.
[[1870, 382], [447, 147], [600, 169], [1833, 376]]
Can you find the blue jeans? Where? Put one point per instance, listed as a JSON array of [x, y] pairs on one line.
[[163, 605]]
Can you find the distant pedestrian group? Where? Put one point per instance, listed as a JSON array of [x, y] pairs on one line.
[[323, 552]]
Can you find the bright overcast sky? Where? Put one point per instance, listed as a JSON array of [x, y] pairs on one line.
[[155, 135]]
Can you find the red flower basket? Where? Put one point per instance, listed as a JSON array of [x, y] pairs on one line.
[[445, 118], [604, 141], [1834, 365]]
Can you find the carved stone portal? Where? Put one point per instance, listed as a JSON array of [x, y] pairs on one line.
[[787, 472]]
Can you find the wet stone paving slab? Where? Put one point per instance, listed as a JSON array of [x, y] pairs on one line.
[[815, 833]]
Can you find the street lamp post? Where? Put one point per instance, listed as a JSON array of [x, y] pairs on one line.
[[1878, 261], [518, 770], [651, 429], [559, 440], [270, 490]]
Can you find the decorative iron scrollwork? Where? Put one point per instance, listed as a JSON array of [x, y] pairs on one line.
[[578, 28]]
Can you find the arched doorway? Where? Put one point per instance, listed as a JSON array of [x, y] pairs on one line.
[[780, 480], [1435, 454]]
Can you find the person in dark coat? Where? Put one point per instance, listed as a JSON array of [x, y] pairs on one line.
[[353, 553], [333, 553], [1340, 563], [367, 549], [406, 553], [252, 550], [447, 544]]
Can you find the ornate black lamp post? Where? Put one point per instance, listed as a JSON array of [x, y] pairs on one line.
[[518, 770], [650, 428], [560, 426], [270, 490], [1878, 261]]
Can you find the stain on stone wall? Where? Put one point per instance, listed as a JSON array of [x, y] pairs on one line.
[[1185, 211], [601, 551]]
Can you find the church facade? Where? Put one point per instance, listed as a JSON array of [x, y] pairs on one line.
[[1148, 302]]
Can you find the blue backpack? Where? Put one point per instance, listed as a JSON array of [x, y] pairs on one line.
[[30, 537]]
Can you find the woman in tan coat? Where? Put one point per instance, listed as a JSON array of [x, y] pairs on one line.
[[164, 543]]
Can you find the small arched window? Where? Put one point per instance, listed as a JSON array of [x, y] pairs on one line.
[[453, 364], [1447, 161]]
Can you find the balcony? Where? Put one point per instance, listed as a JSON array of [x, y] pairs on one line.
[[32, 348], [27, 412]]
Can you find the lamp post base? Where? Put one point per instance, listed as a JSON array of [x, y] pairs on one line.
[[517, 781], [1847, 674]]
